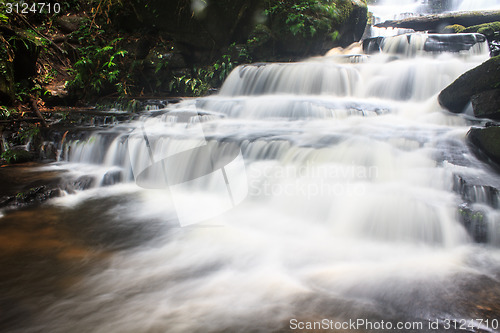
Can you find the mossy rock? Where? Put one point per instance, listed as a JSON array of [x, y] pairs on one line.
[[301, 27], [486, 143], [484, 77], [487, 29], [453, 29]]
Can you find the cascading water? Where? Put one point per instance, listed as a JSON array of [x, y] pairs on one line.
[[348, 206]]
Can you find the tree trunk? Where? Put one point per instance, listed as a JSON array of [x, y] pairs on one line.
[[436, 23]]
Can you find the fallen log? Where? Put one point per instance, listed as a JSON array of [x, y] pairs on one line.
[[435, 23]]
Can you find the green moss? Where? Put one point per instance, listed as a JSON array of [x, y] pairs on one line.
[[487, 29], [453, 29]]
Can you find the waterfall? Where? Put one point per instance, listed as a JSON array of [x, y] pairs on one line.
[[464, 5], [334, 187]]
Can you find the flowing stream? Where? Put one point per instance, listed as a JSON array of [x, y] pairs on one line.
[[334, 188]]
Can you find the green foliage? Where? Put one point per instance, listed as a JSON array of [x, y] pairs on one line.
[[193, 85], [5, 112], [28, 133], [3, 18], [14, 156], [305, 17], [198, 81], [99, 68]]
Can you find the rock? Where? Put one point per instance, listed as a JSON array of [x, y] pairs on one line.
[[353, 28], [343, 28], [373, 45], [474, 190], [475, 223], [69, 23], [486, 143], [452, 42], [433, 42], [199, 28], [203, 29], [111, 178], [484, 77], [175, 60], [487, 104]]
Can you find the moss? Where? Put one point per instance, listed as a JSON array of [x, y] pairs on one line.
[[487, 29], [453, 29]]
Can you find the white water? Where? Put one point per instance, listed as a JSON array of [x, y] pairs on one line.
[[350, 211], [463, 5]]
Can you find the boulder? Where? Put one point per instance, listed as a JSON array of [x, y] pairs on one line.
[[486, 143], [484, 77], [487, 104], [316, 32], [203, 29]]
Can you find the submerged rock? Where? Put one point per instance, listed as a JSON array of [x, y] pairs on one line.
[[484, 77]]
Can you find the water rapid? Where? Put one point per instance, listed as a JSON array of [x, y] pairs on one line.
[[336, 188]]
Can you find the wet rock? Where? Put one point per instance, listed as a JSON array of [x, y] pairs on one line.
[[452, 42], [486, 143], [31, 196], [487, 104], [433, 43], [475, 223], [372, 45], [484, 77], [81, 183], [111, 178], [473, 192]]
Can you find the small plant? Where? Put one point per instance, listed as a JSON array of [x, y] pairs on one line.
[[4, 112], [98, 68], [27, 134], [14, 156]]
